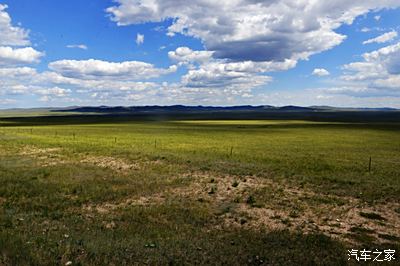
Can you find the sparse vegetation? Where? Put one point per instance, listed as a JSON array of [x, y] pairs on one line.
[[373, 216]]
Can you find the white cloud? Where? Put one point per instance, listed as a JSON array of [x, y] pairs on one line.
[[139, 39], [216, 75], [252, 30], [320, 72], [16, 72], [55, 91], [17, 56], [374, 81], [10, 35], [109, 81], [79, 46], [207, 73], [186, 55], [11, 40], [376, 76], [324, 97], [7, 101], [386, 37], [376, 65], [377, 17], [220, 86], [98, 69]]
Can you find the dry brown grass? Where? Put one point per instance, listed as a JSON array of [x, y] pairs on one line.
[[43, 156], [112, 163]]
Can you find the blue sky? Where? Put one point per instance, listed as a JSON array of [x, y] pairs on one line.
[[129, 52]]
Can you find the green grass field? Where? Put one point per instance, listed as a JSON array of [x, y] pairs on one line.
[[197, 192]]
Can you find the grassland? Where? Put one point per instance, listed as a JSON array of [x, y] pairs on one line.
[[197, 192]]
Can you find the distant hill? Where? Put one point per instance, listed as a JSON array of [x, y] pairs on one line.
[[201, 109], [89, 114], [157, 108]]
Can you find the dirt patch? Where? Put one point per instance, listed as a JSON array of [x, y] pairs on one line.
[[112, 163], [52, 156], [2, 200], [337, 221], [44, 156], [106, 208], [296, 209], [32, 150]]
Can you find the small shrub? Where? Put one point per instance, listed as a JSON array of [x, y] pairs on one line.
[[389, 237], [372, 216], [212, 191], [251, 200]]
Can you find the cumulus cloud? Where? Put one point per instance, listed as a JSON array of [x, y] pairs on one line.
[[17, 72], [245, 39], [377, 64], [386, 37], [52, 87], [206, 73], [249, 30], [11, 40], [17, 56], [139, 39], [320, 72], [373, 81], [218, 76], [9, 34], [236, 78], [78, 46], [377, 77], [95, 69], [7, 101], [185, 55], [55, 91], [94, 79]]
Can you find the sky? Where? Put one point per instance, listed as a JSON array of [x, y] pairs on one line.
[[201, 52]]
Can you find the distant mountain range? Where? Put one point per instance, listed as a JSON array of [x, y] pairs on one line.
[[93, 114], [200, 109]]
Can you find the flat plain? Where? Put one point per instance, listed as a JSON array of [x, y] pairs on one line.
[[232, 192]]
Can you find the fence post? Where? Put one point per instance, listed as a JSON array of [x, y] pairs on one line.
[[370, 164]]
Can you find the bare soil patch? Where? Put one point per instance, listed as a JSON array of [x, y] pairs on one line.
[[112, 163], [44, 156], [290, 208]]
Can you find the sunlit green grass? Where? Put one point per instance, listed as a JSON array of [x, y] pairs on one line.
[[315, 153]]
